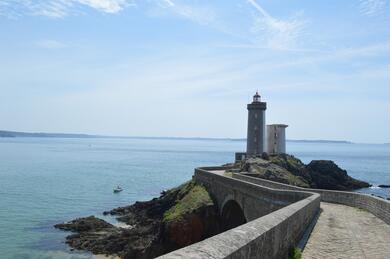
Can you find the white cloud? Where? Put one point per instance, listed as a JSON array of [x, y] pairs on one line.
[[169, 2], [108, 6], [276, 33], [52, 9], [58, 8], [324, 57], [371, 7], [50, 44], [201, 14], [245, 20]]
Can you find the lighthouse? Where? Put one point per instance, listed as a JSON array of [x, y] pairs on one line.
[[255, 143]]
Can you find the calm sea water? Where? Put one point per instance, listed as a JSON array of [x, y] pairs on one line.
[[44, 181]]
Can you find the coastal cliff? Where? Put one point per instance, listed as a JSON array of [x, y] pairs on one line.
[[187, 214]]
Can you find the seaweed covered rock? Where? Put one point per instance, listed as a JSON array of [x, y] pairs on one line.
[[179, 217]]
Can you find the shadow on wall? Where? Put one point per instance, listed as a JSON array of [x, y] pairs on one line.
[[232, 215]]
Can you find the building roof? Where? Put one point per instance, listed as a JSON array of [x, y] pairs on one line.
[[278, 125]]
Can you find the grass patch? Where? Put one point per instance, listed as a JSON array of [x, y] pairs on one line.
[[294, 253], [297, 181], [191, 196]]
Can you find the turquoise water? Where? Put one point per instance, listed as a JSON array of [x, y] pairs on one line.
[[44, 181]]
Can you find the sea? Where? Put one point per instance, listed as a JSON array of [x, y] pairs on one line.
[[44, 181]]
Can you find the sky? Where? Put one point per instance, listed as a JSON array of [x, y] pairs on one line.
[[187, 68]]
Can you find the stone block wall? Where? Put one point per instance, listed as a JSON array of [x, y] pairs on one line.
[[377, 206]]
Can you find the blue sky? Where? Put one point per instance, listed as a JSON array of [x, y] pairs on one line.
[[188, 68]]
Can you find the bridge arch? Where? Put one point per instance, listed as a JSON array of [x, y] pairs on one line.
[[232, 215]]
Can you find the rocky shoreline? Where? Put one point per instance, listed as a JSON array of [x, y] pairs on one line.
[[179, 217], [187, 214]]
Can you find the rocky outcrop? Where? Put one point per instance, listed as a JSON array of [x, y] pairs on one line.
[[274, 171], [179, 217], [321, 174], [85, 224], [93, 234], [325, 174]]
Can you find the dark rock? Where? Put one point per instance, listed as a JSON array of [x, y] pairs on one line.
[[265, 156], [326, 174], [84, 224], [384, 185], [157, 226]]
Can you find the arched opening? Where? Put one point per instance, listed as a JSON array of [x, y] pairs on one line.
[[232, 215]]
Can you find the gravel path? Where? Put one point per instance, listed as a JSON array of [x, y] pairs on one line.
[[347, 232]]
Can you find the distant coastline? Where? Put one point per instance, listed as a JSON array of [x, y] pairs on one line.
[[320, 141], [18, 134]]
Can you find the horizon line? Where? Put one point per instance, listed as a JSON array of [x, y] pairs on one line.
[[11, 134]]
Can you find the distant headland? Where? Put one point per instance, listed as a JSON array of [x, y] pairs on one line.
[[16, 134], [320, 141], [19, 134]]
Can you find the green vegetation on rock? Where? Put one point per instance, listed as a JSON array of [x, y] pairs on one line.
[[289, 162], [295, 253], [285, 169], [191, 196]]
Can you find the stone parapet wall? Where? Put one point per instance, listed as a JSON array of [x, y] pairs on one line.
[[265, 236], [377, 206]]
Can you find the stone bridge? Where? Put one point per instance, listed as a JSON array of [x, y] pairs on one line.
[[265, 219], [240, 201]]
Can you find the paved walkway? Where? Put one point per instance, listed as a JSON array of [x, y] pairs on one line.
[[347, 232]]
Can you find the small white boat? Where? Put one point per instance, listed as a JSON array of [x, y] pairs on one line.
[[118, 189]]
